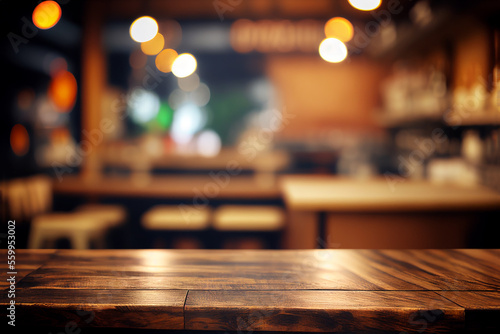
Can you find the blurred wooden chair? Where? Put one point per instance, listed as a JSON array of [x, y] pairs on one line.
[[39, 193], [110, 214], [176, 219], [30, 200], [83, 231], [246, 221]]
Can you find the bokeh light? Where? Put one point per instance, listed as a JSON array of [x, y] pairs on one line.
[[177, 98], [188, 120], [154, 46], [201, 95], [19, 140], [60, 136], [62, 91], [365, 4], [332, 50], [143, 105], [46, 14], [189, 83], [208, 143], [184, 65], [165, 116], [165, 59], [143, 29], [339, 28]]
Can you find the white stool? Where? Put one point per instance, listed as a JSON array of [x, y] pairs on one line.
[[112, 215], [260, 220], [248, 218], [177, 219], [81, 230], [173, 217]]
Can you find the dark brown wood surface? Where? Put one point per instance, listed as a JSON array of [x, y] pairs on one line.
[[25, 262], [416, 291]]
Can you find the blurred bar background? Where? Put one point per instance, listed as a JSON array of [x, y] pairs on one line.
[[251, 124]]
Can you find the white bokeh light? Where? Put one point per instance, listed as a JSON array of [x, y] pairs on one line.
[[188, 120], [143, 105], [184, 65], [177, 98], [208, 143], [201, 96], [332, 50], [365, 4], [189, 83], [143, 29]]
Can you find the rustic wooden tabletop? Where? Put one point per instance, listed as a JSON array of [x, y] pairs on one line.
[[420, 291]]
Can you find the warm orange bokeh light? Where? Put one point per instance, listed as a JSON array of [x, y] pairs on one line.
[[19, 140], [339, 28], [62, 91], [46, 14], [154, 46], [60, 136], [165, 59]]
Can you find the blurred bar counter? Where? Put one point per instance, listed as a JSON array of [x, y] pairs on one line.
[[387, 213], [323, 211]]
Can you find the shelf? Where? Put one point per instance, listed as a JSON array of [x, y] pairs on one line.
[[396, 121], [485, 119], [447, 23], [491, 118]]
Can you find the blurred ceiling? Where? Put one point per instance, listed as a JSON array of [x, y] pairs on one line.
[[233, 9]]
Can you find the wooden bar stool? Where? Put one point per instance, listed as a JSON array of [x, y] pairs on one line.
[[246, 221], [112, 215], [81, 230], [177, 219]]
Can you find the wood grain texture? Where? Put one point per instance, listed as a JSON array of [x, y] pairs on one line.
[[268, 270], [153, 309], [268, 290], [482, 308], [26, 261], [337, 194], [321, 311]]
